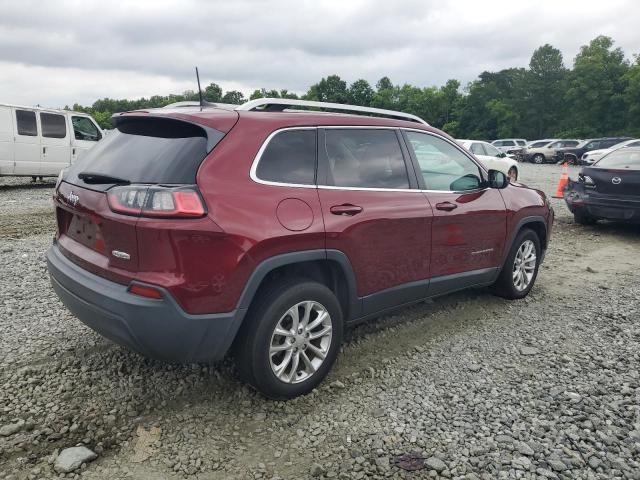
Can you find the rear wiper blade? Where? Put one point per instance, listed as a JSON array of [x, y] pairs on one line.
[[98, 178]]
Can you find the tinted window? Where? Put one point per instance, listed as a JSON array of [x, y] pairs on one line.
[[497, 143], [290, 157], [508, 143], [477, 148], [570, 143], [443, 166], [365, 158], [53, 126], [84, 129], [26, 122], [148, 150], [592, 145], [556, 145], [521, 142], [634, 144]]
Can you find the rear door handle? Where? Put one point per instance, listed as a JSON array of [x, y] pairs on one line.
[[346, 209], [446, 206]]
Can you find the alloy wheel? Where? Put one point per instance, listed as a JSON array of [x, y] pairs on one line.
[[300, 342], [524, 265]]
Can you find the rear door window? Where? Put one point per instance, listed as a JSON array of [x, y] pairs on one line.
[[289, 157], [508, 143], [477, 149], [26, 122], [53, 125], [364, 158]]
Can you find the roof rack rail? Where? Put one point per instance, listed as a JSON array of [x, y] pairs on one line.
[[192, 103], [281, 104]]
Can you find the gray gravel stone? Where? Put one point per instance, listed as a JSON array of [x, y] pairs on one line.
[[70, 459], [434, 463]]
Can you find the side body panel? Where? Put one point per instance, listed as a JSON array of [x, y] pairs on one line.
[[6, 141]]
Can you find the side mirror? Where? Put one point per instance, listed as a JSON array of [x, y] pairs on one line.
[[502, 155], [497, 179]]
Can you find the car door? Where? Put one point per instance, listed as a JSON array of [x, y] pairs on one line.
[[85, 135], [469, 219], [56, 143], [6, 141], [27, 155], [375, 214]]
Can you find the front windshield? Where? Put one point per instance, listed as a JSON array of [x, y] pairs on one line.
[[624, 158]]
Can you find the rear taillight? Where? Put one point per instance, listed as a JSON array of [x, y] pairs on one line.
[[156, 201]]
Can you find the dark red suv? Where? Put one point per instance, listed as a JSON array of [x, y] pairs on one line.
[[189, 232]]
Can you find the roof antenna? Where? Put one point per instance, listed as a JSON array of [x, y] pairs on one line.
[[199, 89]]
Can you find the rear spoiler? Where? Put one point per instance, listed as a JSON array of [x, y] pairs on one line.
[[165, 127]]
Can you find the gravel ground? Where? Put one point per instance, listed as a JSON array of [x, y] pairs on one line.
[[472, 385]]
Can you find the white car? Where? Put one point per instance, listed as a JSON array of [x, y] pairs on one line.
[[589, 158], [39, 142], [492, 158]]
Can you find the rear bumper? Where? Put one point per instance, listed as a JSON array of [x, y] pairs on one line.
[[603, 206], [158, 329]]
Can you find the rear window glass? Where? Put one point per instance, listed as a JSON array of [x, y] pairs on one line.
[[149, 150], [290, 157], [26, 121], [625, 158], [53, 125]]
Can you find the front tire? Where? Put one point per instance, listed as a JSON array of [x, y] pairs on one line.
[[538, 159], [520, 269], [291, 339]]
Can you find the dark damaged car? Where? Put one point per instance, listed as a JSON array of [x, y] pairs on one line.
[[607, 190]]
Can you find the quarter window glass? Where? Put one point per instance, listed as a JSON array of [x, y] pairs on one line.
[[84, 129], [53, 126], [290, 157], [26, 122], [364, 158], [442, 165]]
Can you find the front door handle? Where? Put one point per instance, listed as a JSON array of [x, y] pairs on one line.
[[446, 206], [346, 209]]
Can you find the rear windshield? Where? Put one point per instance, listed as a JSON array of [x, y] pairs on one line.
[[148, 150], [628, 158]]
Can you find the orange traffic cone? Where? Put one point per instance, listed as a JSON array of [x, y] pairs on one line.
[[563, 180]]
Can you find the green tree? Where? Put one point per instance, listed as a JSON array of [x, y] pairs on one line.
[[331, 89], [361, 93], [213, 93], [596, 89], [544, 92]]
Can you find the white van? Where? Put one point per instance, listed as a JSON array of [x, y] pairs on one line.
[[39, 142]]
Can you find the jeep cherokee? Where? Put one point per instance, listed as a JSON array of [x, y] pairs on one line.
[[260, 230]]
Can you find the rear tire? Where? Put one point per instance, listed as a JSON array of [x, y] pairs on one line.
[[276, 353], [520, 269], [583, 218]]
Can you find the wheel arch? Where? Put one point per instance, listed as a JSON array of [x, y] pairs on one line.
[[537, 223], [331, 268]]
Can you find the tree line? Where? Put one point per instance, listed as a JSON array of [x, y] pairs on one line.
[[599, 95]]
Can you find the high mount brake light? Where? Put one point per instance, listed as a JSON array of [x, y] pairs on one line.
[[156, 201]]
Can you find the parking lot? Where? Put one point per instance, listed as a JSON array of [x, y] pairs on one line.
[[473, 385]]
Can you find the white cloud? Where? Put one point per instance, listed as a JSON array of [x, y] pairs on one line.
[[64, 51]]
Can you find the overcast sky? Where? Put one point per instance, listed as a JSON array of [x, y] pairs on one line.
[[58, 52]]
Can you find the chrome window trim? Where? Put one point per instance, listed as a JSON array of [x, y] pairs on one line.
[[254, 166]]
